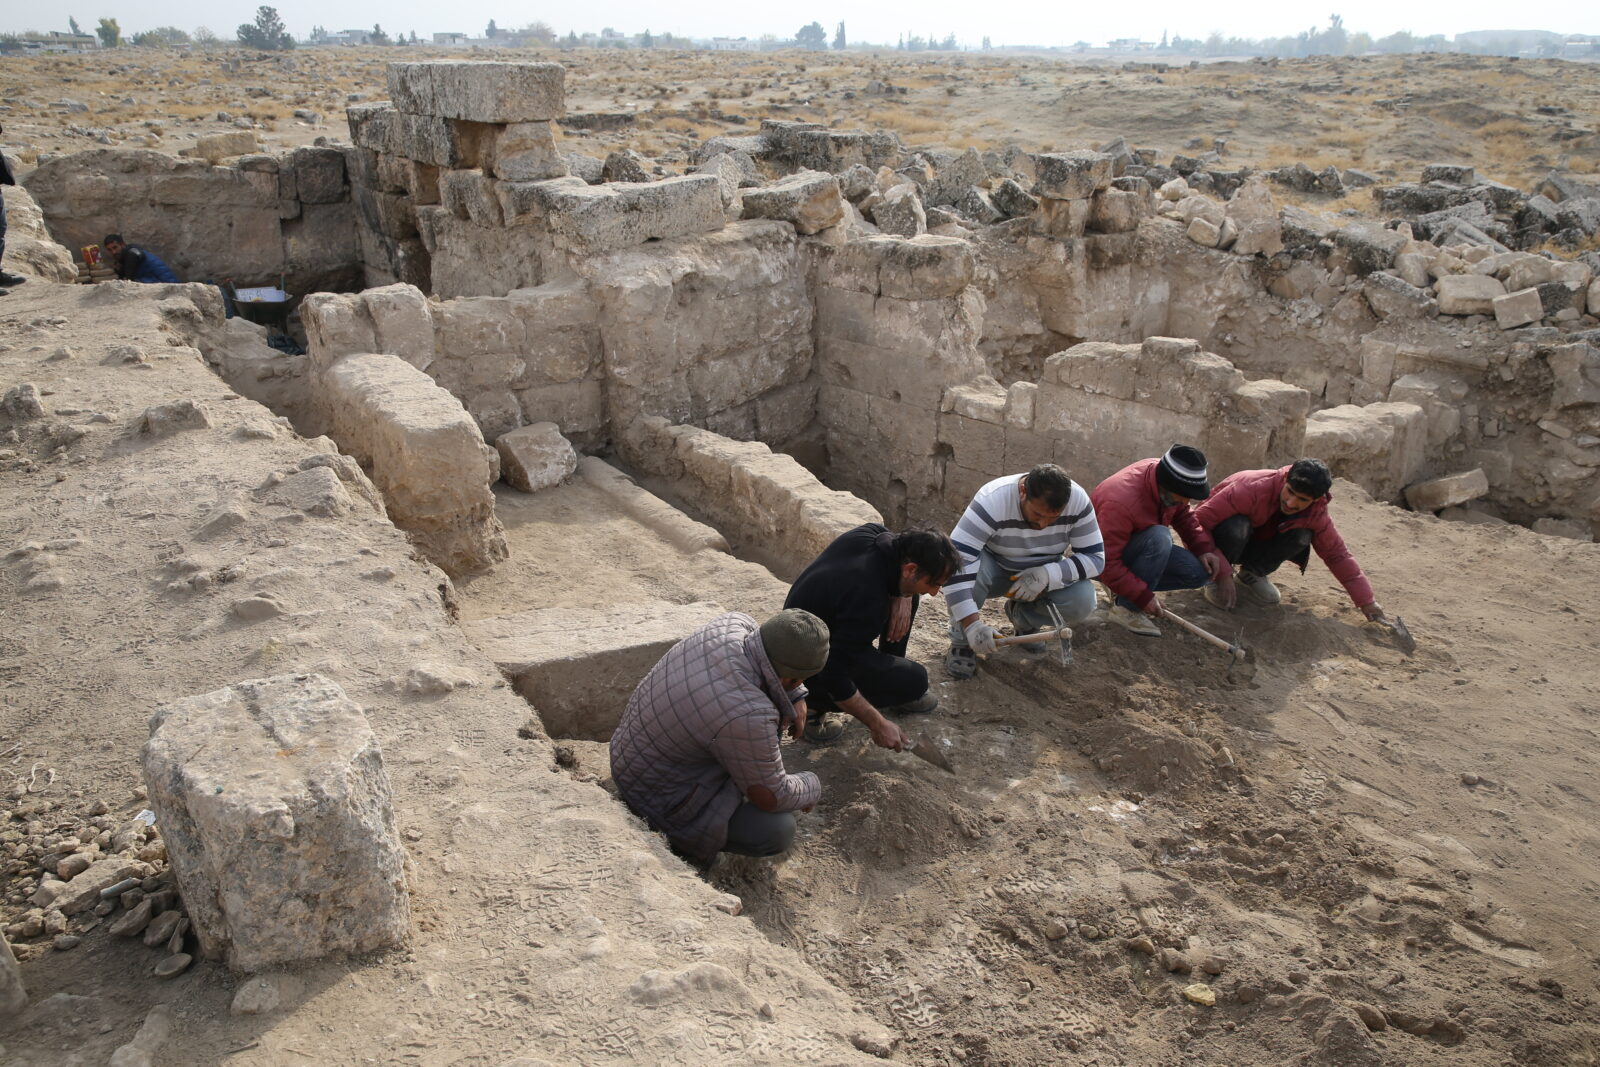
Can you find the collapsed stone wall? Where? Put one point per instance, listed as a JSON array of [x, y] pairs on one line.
[[259, 218]]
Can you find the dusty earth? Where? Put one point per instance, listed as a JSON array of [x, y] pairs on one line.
[[1361, 857], [1514, 119]]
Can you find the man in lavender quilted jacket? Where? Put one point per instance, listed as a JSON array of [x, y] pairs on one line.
[[696, 754]]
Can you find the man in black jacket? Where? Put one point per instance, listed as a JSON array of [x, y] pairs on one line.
[[6, 178], [865, 586]]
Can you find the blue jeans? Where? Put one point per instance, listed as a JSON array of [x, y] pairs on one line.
[[1075, 600], [1160, 564]]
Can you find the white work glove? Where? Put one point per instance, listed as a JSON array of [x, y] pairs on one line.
[[980, 637], [1031, 583]]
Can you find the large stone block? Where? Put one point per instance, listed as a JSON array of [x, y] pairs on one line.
[[1369, 246], [275, 810], [578, 669], [480, 92], [900, 212], [1380, 447], [402, 323], [1439, 493], [526, 152], [810, 200], [1468, 294], [319, 175], [1516, 309], [423, 451], [470, 194], [1256, 216], [535, 457], [1071, 175], [598, 218]]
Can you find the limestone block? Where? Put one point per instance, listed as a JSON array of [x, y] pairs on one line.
[[1192, 207], [424, 453], [1576, 369], [220, 145], [626, 165], [1071, 175], [1174, 190], [1251, 209], [163, 420], [320, 249], [1391, 297], [1020, 399], [527, 151], [1062, 218], [13, 995], [1013, 200], [974, 444], [319, 175], [618, 215], [1438, 493], [480, 92], [1468, 294], [976, 205], [899, 211], [726, 170], [1515, 309], [470, 194], [1412, 267], [1095, 367], [1369, 246], [30, 248], [1380, 447], [402, 323], [578, 669], [1203, 231], [808, 199], [923, 268], [1556, 297], [535, 457], [1116, 211], [983, 400], [275, 809]]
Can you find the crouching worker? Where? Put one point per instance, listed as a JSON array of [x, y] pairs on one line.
[[135, 263], [865, 586], [1033, 539], [1139, 507], [1263, 519], [696, 754]]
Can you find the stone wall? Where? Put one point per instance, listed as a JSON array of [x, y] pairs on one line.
[[262, 217], [763, 498]]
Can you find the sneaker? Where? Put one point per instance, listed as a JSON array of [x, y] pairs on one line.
[[7, 278], [1019, 629], [1259, 587], [1214, 597], [920, 706], [1135, 622], [825, 727], [961, 662]]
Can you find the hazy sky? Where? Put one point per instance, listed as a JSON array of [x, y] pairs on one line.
[[1038, 24]]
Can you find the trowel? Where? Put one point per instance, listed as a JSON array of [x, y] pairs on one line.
[[1402, 633], [925, 748]]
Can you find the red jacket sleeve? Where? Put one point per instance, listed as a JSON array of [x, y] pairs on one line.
[[1116, 526], [1331, 548]]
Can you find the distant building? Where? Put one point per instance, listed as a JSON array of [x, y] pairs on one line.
[[349, 37], [1131, 44], [731, 44], [58, 42], [454, 40]]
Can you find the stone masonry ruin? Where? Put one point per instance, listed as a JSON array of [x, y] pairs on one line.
[[808, 330]]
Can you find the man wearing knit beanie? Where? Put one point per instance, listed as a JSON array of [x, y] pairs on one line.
[[697, 754], [1139, 507]]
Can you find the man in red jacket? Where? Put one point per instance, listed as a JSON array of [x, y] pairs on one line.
[[1262, 519], [1139, 507]]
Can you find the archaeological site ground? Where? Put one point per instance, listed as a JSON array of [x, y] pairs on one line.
[[317, 619]]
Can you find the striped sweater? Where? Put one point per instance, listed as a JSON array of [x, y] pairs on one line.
[[994, 521]]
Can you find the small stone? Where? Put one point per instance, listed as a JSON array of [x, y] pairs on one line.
[[1089, 931], [1247, 994], [99, 807], [1175, 961], [1369, 1015], [1468, 778], [105, 907], [1299, 977], [1141, 944], [1213, 964], [766, 1010], [65, 942], [54, 922], [257, 608], [175, 942], [133, 922], [173, 965], [1055, 930], [1201, 994], [1275, 841], [259, 996], [161, 927], [74, 865], [727, 902]]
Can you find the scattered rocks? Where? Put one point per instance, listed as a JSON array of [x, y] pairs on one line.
[[164, 420], [22, 402], [173, 965], [1200, 993]]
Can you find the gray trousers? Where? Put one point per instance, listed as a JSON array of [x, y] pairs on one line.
[[753, 832], [1075, 600]]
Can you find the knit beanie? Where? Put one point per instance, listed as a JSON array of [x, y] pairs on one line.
[[1182, 472], [796, 642]]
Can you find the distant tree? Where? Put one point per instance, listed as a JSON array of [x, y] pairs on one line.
[[812, 37], [9, 42], [571, 40], [646, 40], [537, 31], [266, 33], [377, 36], [109, 32], [986, 45], [72, 24], [838, 39], [492, 31], [1163, 45], [204, 37], [162, 37], [949, 43]]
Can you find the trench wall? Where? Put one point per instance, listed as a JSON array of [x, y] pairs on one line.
[[259, 218]]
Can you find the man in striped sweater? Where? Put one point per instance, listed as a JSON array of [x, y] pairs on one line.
[[1031, 538]]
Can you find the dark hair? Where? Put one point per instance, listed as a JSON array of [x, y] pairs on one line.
[[113, 238], [1311, 477], [1049, 483], [935, 557]]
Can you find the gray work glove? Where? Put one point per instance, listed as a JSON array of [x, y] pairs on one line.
[[980, 637], [1031, 584]]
